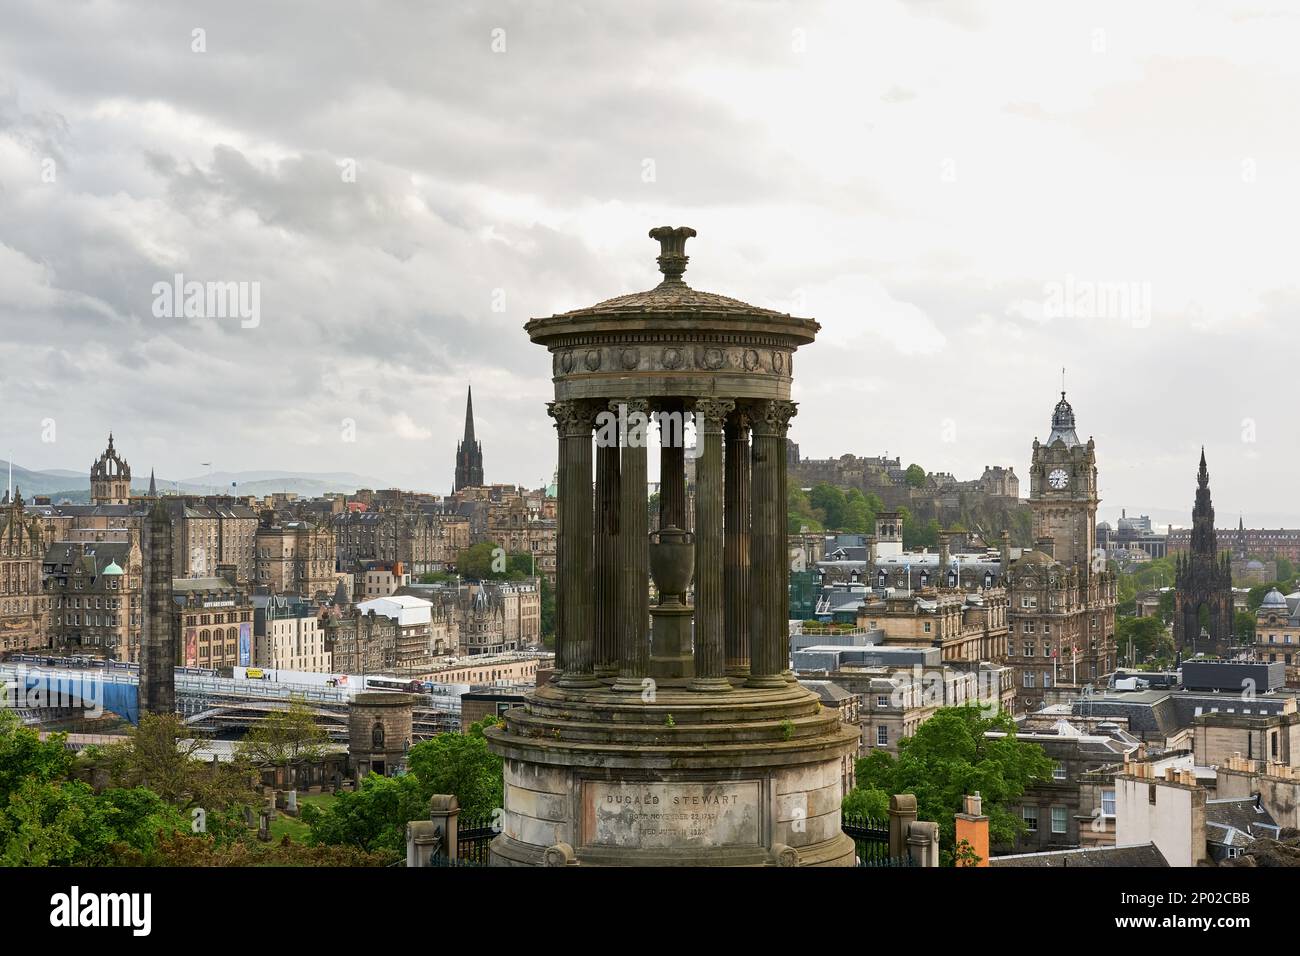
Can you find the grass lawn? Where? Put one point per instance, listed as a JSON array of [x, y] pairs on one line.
[[293, 827]]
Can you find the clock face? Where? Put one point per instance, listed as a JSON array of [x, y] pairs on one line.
[[1058, 478]]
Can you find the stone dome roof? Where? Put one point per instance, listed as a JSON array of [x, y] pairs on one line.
[[673, 297], [1274, 598], [672, 341]]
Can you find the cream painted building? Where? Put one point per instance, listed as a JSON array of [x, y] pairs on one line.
[[287, 634]]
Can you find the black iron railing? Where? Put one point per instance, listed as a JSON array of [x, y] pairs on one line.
[[870, 838], [473, 838]]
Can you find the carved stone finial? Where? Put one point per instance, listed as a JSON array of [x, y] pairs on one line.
[[672, 251]]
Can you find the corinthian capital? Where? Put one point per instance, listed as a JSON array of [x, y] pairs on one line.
[[573, 419], [772, 418], [711, 413]]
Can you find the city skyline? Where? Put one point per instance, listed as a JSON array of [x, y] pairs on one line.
[[966, 208], [218, 481]]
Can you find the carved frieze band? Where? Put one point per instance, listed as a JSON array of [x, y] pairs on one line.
[[657, 356]]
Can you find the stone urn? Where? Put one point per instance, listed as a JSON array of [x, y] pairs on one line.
[[672, 563]]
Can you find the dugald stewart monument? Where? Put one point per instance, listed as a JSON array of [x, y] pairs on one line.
[[673, 733]]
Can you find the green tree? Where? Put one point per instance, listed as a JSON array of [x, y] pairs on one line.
[[23, 755], [915, 476], [284, 737], [799, 511], [64, 823], [829, 505], [866, 802], [918, 533], [488, 561], [160, 756], [1257, 594], [476, 561], [1165, 609], [463, 765], [1147, 637], [1285, 572], [859, 516], [375, 816], [1244, 626], [950, 756]]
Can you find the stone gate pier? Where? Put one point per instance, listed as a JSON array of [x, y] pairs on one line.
[[673, 733]]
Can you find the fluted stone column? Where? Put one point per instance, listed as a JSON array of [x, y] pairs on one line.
[[735, 552], [575, 604], [710, 639], [769, 574], [633, 543], [672, 470], [606, 553]]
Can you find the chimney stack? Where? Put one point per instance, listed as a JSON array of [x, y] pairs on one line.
[[973, 830]]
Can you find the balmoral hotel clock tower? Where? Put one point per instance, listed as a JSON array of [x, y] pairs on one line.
[[1063, 490]]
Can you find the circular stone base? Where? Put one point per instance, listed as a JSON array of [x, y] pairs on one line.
[[676, 776]]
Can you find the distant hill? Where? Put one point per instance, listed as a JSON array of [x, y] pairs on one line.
[[61, 484], [307, 484], [32, 483]]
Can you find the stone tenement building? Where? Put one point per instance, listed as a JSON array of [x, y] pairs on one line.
[[900, 686], [728, 760], [493, 616], [295, 557], [215, 619], [965, 626], [423, 541], [469, 452], [23, 603], [207, 531], [1277, 632], [211, 532], [1062, 597], [512, 525], [401, 634], [1203, 581], [1242, 541], [96, 598]]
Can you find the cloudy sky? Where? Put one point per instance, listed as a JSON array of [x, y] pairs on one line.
[[968, 196]]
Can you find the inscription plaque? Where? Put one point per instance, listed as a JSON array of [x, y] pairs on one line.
[[663, 815]]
